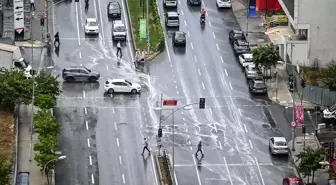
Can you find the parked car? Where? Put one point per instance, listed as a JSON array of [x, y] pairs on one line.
[[119, 31], [257, 86], [245, 59], [252, 71], [241, 47], [236, 35], [22, 178], [292, 181], [331, 181], [223, 4], [278, 145], [330, 113], [91, 26], [179, 38], [172, 19], [114, 9], [120, 85], [170, 3], [80, 74], [194, 2]]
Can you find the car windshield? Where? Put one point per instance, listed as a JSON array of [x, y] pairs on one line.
[[114, 7], [259, 84], [87, 69], [238, 35], [119, 28], [180, 36], [92, 24], [280, 143], [248, 59], [128, 82], [173, 18]]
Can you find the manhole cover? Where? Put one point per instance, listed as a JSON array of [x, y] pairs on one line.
[[265, 126]]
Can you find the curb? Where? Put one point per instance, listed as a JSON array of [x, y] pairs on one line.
[[29, 45], [130, 25], [151, 57]]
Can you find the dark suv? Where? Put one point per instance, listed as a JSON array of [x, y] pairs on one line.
[[235, 35], [179, 38], [80, 74]]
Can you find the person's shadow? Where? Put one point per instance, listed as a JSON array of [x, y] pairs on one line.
[[86, 8], [57, 49]]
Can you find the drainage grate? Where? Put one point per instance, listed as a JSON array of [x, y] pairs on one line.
[[269, 117]]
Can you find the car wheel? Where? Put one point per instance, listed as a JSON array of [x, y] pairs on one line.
[[110, 91], [92, 79], [70, 79], [134, 91]]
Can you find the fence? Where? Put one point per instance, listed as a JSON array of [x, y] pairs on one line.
[[313, 94]]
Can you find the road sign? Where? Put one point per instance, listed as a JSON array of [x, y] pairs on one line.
[[293, 124], [169, 102], [142, 30], [18, 16], [299, 114]]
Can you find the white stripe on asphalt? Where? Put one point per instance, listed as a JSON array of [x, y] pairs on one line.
[[228, 171], [262, 179], [92, 179], [90, 159], [197, 172], [87, 125], [88, 142], [123, 178], [117, 142], [77, 24]]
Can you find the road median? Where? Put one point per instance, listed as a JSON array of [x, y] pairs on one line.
[[164, 170], [137, 12]]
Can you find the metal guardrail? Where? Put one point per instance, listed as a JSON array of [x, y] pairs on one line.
[[16, 150]]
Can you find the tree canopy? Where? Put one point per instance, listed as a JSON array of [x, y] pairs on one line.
[[5, 170], [266, 55], [45, 124], [330, 76]]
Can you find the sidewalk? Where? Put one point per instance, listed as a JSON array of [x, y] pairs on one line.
[[8, 23], [24, 165]]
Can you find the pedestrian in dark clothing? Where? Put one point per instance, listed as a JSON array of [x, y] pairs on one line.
[[56, 39], [119, 49], [199, 149], [32, 5], [145, 147]]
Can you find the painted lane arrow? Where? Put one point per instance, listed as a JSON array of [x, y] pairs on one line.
[[18, 7], [18, 19]]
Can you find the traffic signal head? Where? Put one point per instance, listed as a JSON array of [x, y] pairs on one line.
[[202, 103], [42, 21], [160, 132], [303, 129]]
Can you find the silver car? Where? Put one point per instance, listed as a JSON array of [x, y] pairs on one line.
[[252, 71], [80, 74], [172, 19]]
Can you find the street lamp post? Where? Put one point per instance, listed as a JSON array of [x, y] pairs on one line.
[[185, 107], [57, 159]]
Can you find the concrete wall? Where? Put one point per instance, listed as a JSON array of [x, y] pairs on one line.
[[300, 52], [319, 17]]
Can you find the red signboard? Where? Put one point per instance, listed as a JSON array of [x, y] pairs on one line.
[[299, 116], [169, 102]]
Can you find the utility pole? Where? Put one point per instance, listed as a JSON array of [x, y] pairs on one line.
[[147, 22], [33, 93], [247, 15], [293, 128], [160, 110], [173, 160]]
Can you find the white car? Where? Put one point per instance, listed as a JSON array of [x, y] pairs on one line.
[[120, 85], [223, 4], [119, 31], [245, 59], [330, 113], [278, 145], [91, 26]]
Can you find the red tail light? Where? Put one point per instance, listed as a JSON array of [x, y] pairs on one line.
[[275, 148]]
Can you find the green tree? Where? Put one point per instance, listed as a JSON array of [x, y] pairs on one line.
[[46, 145], [45, 124], [309, 162], [266, 55], [44, 101], [48, 85], [330, 76], [42, 159], [5, 170]]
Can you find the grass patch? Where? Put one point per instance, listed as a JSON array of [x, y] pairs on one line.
[[6, 135], [164, 167], [155, 28]]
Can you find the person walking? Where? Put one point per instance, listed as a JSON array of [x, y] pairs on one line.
[[32, 5], [56, 39], [199, 149], [119, 49], [145, 147]]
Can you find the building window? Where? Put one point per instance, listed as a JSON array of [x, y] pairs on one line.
[[303, 34]]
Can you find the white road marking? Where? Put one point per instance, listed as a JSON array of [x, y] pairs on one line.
[[182, 112], [226, 73], [179, 1], [203, 3], [120, 161], [92, 179], [175, 178], [245, 128], [199, 72], [186, 130], [123, 178], [203, 86], [107, 68], [81, 64], [117, 142], [90, 159], [155, 174], [115, 126], [175, 86], [228, 171], [185, 23], [195, 59], [77, 24], [223, 165], [88, 142], [250, 143], [220, 145], [217, 46], [210, 23], [262, 179], [101, 20], [177, 92], [80, 54], [213, 34], [197, 172], [113, 111], [183, 119], [191, 45], [215, 128], [85, 110], [210, 111], [240, 113], [230, 85], [182, 12], [83, 94], [87, 125], [188, 34], [222, 59]]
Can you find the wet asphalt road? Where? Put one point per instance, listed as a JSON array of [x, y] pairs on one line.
[[102, 136]]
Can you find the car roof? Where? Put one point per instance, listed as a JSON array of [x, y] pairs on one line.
[[117, 80], [114, 2], [279, 139], [242, 42], [75, 67], [180, 33], [248, 55], [118, 22], [237, 31], [172, 14], [91, 19]]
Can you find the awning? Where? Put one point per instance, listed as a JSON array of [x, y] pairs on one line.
[[279, 34]]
